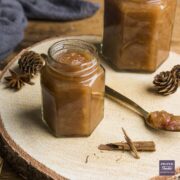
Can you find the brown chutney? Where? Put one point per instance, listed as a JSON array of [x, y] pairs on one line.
[[137, 33], [73, 84]]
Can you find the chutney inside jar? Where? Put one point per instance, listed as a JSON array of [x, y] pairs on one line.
[[73, 84]]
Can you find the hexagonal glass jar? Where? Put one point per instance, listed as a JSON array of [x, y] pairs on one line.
[[137, 33], [73, 84]]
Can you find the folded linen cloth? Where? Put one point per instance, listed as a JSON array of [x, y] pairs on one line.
[[14, 14], [12, 24], [58, 9]]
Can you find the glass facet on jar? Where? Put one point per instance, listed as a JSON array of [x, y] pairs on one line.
[[73, 84], [137, 33]]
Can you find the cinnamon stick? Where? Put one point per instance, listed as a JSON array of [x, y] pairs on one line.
[[123, 146], [131, 145]]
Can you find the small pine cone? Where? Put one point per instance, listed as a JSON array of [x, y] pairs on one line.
[[166, 83], [31, 62], [176, 70]]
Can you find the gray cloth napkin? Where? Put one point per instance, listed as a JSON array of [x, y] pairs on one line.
[[14, 14]]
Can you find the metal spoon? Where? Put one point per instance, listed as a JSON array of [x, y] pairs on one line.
[[112, 94]]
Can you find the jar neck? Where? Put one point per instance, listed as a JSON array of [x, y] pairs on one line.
[[73, 58]]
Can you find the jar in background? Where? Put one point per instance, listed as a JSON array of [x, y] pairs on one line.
[[73, 84], [137, 33]]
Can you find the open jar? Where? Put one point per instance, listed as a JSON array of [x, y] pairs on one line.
[[73, 84], [137, 33]]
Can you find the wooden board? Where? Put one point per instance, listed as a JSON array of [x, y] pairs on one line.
[[25, 140]]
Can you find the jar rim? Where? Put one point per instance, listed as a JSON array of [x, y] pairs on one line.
[[74, 44]]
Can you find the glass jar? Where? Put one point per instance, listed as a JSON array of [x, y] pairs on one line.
[[137, 33], [73, 84]]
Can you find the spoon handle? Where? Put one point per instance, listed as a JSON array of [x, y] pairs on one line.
[[117, 96]]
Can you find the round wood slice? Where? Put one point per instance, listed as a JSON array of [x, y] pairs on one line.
[[26, 142]]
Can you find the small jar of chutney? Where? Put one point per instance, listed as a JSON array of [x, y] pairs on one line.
[[73, 85]]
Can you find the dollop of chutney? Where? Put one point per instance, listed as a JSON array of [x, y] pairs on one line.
[[164, 120], [74, 58]]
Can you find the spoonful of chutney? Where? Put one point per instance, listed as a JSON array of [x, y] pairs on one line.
[[160, 120]]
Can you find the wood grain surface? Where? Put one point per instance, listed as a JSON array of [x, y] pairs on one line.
[[39, 30]]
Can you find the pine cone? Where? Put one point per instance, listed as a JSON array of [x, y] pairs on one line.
[[31, 62], [176, 70], [166, 83]]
